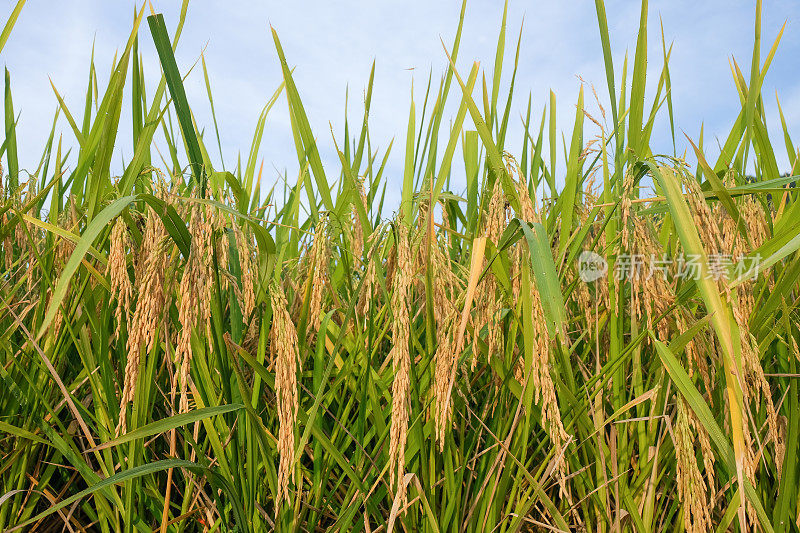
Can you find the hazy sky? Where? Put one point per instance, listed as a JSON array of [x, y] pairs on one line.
[[332, 45]]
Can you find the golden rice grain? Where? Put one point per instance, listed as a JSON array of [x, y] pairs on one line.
[[401, 359], [488, 303], [691, 487], [150, 305], [248, 270], [121, 287], [194, 306], [704, 218], [318, 273], [285, 353], [446, 288], [651, 293]]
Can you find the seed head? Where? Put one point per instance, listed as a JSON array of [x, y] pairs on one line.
[[194, 306], [449, 345], [401, 359], [248, 270], [286, 355], [692, 490], [117, 271], [488, 303], [318, 273], [150, 282]]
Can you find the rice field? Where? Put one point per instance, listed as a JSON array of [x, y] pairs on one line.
[[594, 334]]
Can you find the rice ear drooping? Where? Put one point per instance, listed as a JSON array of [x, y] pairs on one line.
[[285, 352], [400, 357]]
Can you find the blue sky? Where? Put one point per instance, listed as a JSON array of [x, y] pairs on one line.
[[332, 45]]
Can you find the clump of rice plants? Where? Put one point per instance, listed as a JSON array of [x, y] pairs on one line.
[[185, 348]]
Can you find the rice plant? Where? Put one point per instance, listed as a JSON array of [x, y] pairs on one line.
[[605, 345]]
